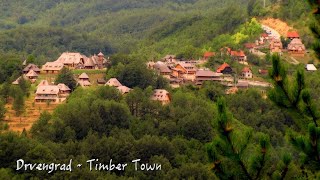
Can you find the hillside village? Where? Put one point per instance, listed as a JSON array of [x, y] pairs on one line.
[[177, 71], [202, 89]]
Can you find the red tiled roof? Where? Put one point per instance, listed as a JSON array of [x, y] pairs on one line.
[[237, 53], [209, 54], [264, 35], [249, 45], [246, 69], [222, 67], [293, 34]]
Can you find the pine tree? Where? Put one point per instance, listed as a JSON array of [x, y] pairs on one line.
[[309, 144], [291, 92], [5, 91], [233, 146], [18, 103], [315, 26], [24, 86]]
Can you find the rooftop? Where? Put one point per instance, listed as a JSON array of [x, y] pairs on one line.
[[113, 82]]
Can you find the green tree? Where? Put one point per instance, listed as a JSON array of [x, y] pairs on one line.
[[137, 75], [31, 59], [66, 77], [315, 26], [2, 110], [291, 92], [308, 144], [161, 83], [229, 149], [18, 103], [5, 91], [24, 86]]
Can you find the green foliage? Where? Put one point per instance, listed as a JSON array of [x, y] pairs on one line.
[[5, 91], [293, 10], [18, 103], [2, 110], [295, 95], [130, 72], [308, 144], [255, 8], [189, 52], [66, 77], [247, 106], [229, 149], [25, 86], [291, 92], [152, 28], [212, 90], [9, 64], [315, 25]]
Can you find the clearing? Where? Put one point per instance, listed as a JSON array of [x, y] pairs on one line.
[[278, 25]]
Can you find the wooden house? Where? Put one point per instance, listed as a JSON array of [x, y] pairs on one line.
[[96, 62], [64, 90], [162, 69], [184, 70], [161, 95], [224, 69], [239, 56], [296, 47], [72, 60], [52, 67], [276, 46], [246, 73], [293, 35], [124, 89], [84, 80], [113, 82], [170, 59], [206, 75], [32, 76], [52, 93], [31, 67]]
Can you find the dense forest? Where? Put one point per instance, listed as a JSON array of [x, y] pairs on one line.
[[201, 134], [150, 29]]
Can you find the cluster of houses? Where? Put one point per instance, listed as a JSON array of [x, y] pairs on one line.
[[294, 48], [73, 60], [179, 72], [175, 70], [48, 92], [51, 93], [161, 95], [67, 59]]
